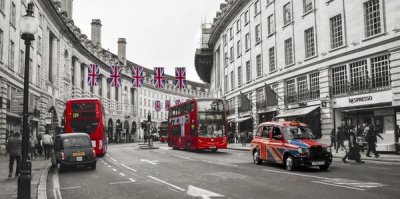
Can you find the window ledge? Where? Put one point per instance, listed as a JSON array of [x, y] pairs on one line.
[[259, 12], [272, 72], [337, 48], [258, 43], [374, 36], [1, 11], [288, 24], [270, 3], [246, 23], [12, 25], [328, 1], [290, 65], [237, 32], [239, 56], [272, 34], [311, 57], [247, 49], [310, 11]]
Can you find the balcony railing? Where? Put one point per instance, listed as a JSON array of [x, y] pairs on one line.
[[301, 97], [362, 86]]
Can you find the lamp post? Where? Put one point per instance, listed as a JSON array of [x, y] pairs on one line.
[[28, 26]]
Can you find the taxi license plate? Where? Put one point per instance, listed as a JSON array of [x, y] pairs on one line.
[[78, 154], [318, 163], [78, 159], [213, 147]]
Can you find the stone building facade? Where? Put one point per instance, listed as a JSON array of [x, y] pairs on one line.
[[330, 62]]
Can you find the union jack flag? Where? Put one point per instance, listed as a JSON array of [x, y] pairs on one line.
[[157, 105], [180, 77], [93, 74], [167, 104], [159, 80], [115, 76], [177, 102], [137, 76]]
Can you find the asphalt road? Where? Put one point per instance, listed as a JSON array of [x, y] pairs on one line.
[[129, 172]]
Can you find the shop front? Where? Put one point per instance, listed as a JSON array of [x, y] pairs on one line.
[[371, 108], [310, 115]]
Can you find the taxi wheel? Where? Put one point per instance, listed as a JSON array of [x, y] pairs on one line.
[[289, 163], [324, 167], [93, 166], [60, 168], [256, 157]]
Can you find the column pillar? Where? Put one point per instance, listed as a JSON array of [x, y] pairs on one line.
[[77, 76], [86, 91], [96, 89], [395, 74], [327, 114], [112, 99], [3, 116], [104, 87], [54, 62]]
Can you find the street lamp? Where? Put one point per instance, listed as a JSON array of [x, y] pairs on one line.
[[28, 26]]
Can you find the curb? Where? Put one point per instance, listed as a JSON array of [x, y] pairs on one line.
[[370, 159], [238, 149], [41, 191]]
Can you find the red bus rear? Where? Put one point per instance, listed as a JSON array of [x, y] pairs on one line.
[[86, 115], [163, 131], [198, 124]]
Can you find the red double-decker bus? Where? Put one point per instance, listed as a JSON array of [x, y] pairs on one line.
[[198, 124], [163, 131], [86, 115]]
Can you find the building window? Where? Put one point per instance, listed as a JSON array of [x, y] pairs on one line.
[[224, 39], [40, 19], [260, 98], [257, 7], [271, 24], [302, 88], [288, 51], [291, 91], [231, 33], [372, 17], [13, 14], [238, 25], [226, 59], [238, 48], [239, 75], [258, 34], [38, 76], [314, 86], [358, 75], [272, 59], [12, 55], [21, 68], [307, 5], [248, 71], [1, 42], [336, 31], [259, 65], [287, 14], [2, 2], [231, 52], [380, 71], [309, 42], [232, 80], [226, 83], [247, 41], [339, 80], [39, 45], [246, 17]]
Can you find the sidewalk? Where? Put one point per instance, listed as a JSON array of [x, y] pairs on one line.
[[9, 186], [384, 157]]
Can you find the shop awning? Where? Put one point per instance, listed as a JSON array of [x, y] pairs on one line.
[[242, 119], [297, 112]]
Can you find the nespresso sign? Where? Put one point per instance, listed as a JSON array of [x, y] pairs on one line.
[[360, 99]]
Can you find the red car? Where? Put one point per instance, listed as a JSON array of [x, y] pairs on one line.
[[289, 143]]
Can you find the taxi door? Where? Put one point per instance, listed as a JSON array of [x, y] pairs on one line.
[[276, 147], [265, 141]]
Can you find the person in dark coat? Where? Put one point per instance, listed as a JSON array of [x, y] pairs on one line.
[[333, 140], [14, 146], [354, 148], [340, 137], [371, 135]]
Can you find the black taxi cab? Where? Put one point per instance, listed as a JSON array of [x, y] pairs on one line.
[[289, 143]]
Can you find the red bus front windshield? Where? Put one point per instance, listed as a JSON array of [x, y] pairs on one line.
[[211, 118], [84, 117]]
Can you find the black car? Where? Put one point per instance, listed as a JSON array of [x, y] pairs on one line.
[[73, 150]]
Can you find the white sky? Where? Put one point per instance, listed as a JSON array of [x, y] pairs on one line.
[[159, 33]]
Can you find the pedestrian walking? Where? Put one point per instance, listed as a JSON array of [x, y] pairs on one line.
[[47, 143], [371, 135], [32, 144], [243, 138], [354, 149], [13, 147], [39, 146], [333, 140], [340, 137]]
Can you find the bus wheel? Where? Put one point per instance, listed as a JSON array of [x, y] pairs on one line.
[[214, 150], [188, 147]]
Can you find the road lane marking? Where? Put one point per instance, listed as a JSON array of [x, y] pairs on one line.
[[114, 169], [132, 180], [109, 165], [121, 174], [339, 185], [76, 187], [56, 185], [220, 163], [182, 157], [203, 193], [148, 161], [297, 174], [113, 159], [123, 182], [128, 167], [162, 181]]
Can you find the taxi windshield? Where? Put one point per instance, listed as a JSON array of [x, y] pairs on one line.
[[297, 132]]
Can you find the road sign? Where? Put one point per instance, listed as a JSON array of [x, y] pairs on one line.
[[17, 101]]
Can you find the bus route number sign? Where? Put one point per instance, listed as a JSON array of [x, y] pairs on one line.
[[75, 115]]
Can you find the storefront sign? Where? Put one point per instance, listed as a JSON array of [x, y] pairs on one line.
[[366, 99]]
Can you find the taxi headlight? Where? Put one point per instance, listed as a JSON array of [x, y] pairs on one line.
[[303, 151]]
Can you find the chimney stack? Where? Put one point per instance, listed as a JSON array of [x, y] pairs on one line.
[[67, 6], [96, 32], [122, 50]]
